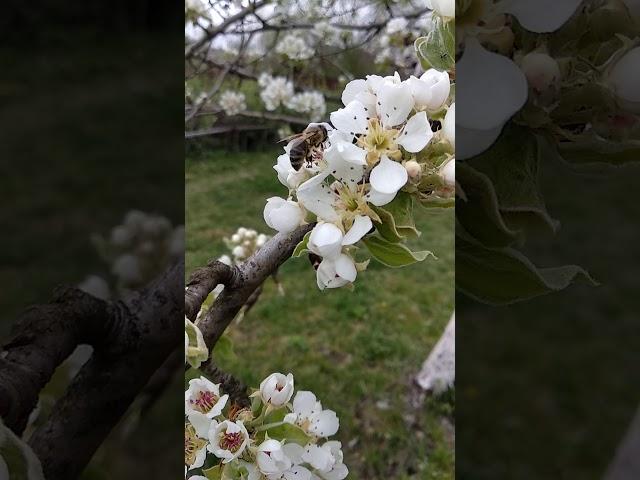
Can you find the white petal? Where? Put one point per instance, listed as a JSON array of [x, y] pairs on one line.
[[448, 173], [352, 89], [439, 86], [416, 134], [379, 199], [361, 225], [541, 16], [326, 240], [201, 423], [394, 104], [294, 452], [346, 162], [420, 91], [624, 80], [472, 142], [346, 267], [318, 457], [327, 277], [351, 119], [388, 176], [318, 198], [326, 424], [282, 215], [297, 472], [490, 88], [449, 125], [304, 403]]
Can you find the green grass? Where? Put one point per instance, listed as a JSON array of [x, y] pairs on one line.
[[358, 351]]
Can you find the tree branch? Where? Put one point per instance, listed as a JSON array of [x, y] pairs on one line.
[[210, 34], [247, 277], [131, 339]]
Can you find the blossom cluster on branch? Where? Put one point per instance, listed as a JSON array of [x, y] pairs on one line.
[[390, 145], [281, 436]]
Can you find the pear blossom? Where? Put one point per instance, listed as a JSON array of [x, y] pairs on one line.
[[444, 8], [413, 169], [271, 459], [227, 440], [277, 389], [449, 125], [311, 103], [431, 90], [326, 460], [623, 80], [542, 16], [309, 415], [541, 70], [195, 446], [283, 215], [492, 89], [275, 91], [294, 47], [448, 173], [203, 396], [232, 102]]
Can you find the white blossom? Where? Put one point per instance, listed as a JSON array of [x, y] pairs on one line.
[[203, 396], [294, 47], [227, 440], [275, 91], [232, 102], [283, 215], [277, 389], [309, 415]]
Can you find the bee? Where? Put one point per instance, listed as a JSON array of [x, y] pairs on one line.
[[306, 145]]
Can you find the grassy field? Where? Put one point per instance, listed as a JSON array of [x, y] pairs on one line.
[[356, 350]]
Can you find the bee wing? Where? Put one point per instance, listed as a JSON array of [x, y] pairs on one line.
[[302, 135]]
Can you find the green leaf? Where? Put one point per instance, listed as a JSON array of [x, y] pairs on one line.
[[512, 166], [479, 215], [437, 49], [223, 351], [397, 218], [589, 149], [289, 432], [504, 275], [437, 202], [393, 254], [301, 248], [213, 473]]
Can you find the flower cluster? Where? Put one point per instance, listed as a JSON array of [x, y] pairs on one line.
[[379, 144], [275, 90], [310, 103], [273, 439], [232, 102], [242, 244], [294, 47], [137, 250]]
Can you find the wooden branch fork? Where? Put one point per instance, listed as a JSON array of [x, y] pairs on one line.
[[131, 339]]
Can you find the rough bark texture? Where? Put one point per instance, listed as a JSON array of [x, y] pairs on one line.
[[131, 340]]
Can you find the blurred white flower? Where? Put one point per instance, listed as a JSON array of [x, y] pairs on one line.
[[624, 81], [232, 102], [127, 269], [311, 103], [397, 25], [541, 70], [294, 47], [96, 286], [444, 8], [275, 91]]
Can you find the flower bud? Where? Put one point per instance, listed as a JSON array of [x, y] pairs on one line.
[[449, 125], [235, 238], [277, 389], [283, 215], [127, 269], [623, 80], [121, 236], [448, 173], [238, 251], [444, 8], [413, 169], [542, 72]]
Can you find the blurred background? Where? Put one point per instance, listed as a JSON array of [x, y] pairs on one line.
[[266, 76], [91, 130]]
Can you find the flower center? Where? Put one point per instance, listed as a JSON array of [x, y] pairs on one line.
[[204, 401], [192, 444], [379, 141], [231, 441]]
